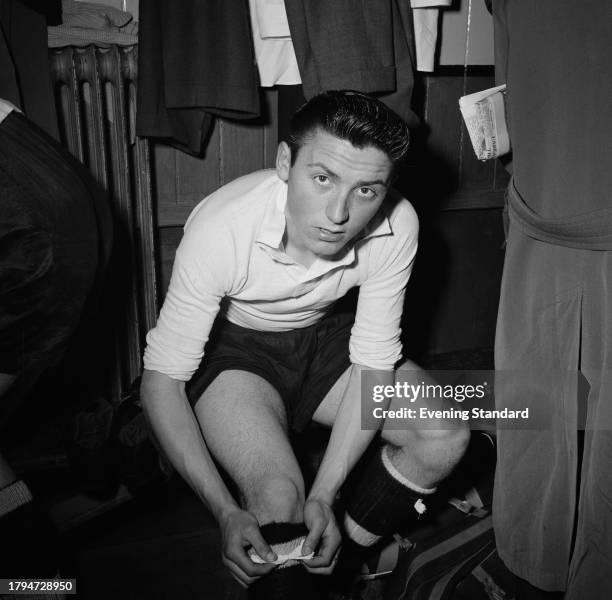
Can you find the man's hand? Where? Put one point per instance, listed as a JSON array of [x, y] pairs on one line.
[[323, 537], [239, 530]]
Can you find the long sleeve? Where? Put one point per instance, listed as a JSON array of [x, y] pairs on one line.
[[199, 281]]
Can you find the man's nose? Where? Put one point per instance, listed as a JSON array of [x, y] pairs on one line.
[[338, 209]]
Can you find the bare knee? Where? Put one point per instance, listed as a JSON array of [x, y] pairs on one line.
[[448, 441], [452, 435], [456, 438], [276, 498]]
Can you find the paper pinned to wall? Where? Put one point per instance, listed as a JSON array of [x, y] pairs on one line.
[[484, 114]]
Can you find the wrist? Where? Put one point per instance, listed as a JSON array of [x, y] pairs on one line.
[[322, 495], [223, 511]]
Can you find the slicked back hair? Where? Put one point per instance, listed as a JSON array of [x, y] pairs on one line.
[[353, 116]]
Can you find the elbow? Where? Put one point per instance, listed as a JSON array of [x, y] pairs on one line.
[[147, 386], [156, 387]]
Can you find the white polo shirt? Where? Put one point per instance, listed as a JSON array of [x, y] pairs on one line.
[[231, 259]]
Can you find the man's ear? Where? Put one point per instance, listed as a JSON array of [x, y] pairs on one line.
[[283, 161]]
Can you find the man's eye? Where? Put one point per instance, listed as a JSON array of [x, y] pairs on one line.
[[322, 179], [366, 192]]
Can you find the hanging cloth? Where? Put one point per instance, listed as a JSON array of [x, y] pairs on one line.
[[195, 61], [425, 15], [350, 44], [24, 64], [274, 53]]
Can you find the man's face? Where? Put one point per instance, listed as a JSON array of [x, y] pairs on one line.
[[334, 189]]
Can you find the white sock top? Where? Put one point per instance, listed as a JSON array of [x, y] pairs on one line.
[[291, 550]]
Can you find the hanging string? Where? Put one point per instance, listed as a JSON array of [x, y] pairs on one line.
[[465, 68]]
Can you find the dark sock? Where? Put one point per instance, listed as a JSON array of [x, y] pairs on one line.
[[284, 536], [290, 581], [382, 503]]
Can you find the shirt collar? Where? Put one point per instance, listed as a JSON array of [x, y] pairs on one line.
[[273, 224], [379, 225]]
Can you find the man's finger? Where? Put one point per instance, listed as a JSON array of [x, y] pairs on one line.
[[235, 577], [254, 537], [238, 574], [323, 563], [329, 544], [322, 570], [239, 557], [315, 567], [318, 561], [315, 530]]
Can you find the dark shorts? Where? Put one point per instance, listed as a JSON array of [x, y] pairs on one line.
[[302, 364]]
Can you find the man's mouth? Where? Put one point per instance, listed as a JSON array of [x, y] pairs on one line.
[[330, 235]]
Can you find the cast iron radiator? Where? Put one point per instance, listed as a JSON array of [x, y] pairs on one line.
[[95, 92]]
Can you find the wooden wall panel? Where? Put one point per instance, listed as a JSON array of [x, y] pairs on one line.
[[443, 129], [168, 241], [198, 177], [271, 132], [163, 159], [467, 182], [242, 150]]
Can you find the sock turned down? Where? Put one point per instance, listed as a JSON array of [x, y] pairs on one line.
[[289, 581], [383, 502]]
